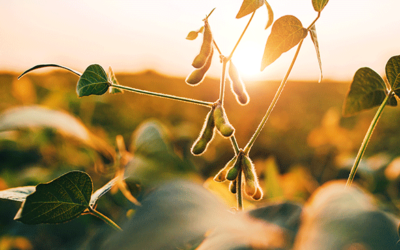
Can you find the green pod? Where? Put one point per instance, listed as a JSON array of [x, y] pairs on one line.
[[205, 49], [206, 135], [222, 123], [250, 176], [197, 75], [234, 171], [232, 187], [221, 176], [259, 194], [237, 86]]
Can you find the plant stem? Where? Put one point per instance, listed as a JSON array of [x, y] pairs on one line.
[[234, 144], [273, 103], [222, 83], [367, 137], [216, 46], [315, 20], [241, 36], [239, 192], [104, 218], [177, 98]]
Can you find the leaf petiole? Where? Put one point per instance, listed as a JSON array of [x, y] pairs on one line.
[[241, 36], [104, 218]]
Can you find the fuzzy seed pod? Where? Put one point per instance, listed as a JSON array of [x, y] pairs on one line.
[[197, 75], [250, 176], [237, 86], [205, 49], [234, 171], [221, 176], [206, 135], [232, 187], [222, 123], [259, 194]]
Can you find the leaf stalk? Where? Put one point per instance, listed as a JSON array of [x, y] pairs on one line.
[[104, 218]]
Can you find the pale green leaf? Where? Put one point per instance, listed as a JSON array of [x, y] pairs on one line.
[[17, 194], [94, 81], [286, 33], [249, 6], [319, 5], [62, 122], [48, 65], [60, 200], [393, 72], [270, 15], [367, 90], [113, 80], [314, 38], [101, 191]]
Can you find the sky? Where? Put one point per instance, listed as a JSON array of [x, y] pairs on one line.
[[134, 36]]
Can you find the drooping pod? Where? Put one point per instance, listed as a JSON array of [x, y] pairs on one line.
[[206, 135], [206, 47], [259, 194], [234, 171], [250, 176], [221, 176], [237, 86], [221, 122], [197, 75], [232, 187]]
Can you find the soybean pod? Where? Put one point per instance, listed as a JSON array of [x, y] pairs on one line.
[[206, 135], [237, 86], [197, 75], [221, 176], [232, 186], [206, 47], [234, 171], [259, 194], [250, 176], [222, 123]]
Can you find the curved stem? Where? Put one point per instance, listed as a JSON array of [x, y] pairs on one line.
[[241, 36], [367, 137], [177, 98], [315, 20], [104, 218], [273, 103]]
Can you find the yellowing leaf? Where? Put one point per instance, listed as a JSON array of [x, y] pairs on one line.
[[286, 33], [249, 6], [113, 80], [270, 15], [314, 38]]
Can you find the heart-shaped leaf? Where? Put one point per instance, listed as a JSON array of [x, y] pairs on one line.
[[314, 38], [60, 200], [393, 73], [17, 194], [94, 81], [48, 65], [319, 5], [113, 80], [286, 33], [249, 6], [367, 90], [270, 15]]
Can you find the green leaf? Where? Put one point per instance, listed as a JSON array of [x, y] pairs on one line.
[[112, 79], [286, 33], [60, 200], [62, 122], [249, 6], [319, 5], [314, 38], [367, 90], [393, 73], [94, 81], [270, 15], [48, 65], [101, 191], [16, 194]]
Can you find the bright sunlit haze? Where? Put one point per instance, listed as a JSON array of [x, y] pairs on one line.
[[123, 35]]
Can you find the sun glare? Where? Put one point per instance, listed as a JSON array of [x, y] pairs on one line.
[[247, 60]]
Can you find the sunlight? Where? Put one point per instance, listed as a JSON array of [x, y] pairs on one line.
[[247, 59]]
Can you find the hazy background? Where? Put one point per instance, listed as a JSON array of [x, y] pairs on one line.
[[133, 36]]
